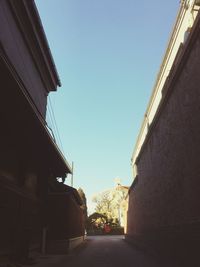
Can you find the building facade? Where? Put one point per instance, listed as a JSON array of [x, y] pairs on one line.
[[29, 156], [164, 209]]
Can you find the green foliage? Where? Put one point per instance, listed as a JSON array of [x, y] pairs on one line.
[[109, 203], [97, 219], [97, 223]]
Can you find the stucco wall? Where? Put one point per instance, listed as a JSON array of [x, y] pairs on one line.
[[168, 188]]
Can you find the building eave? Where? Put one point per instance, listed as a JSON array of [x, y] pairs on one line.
[[56, 158], [161, 80], [167, 89], [27, 17]]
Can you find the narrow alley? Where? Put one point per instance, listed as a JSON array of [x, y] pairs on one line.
[[138, 210], [101, 251]]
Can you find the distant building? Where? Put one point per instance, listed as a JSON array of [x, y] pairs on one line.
[[164, 209]]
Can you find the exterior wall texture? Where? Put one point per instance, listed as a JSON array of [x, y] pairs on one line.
[[65, 217], [168, 188], [184, 22], [18, 211], [19, 54]]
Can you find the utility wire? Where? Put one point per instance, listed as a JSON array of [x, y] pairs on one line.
[[53, 121], [56, 126]]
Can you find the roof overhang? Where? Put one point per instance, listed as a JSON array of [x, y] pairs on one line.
[[27, 17], [24, 127]]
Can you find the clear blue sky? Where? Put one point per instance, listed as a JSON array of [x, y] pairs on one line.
[[107, 53]]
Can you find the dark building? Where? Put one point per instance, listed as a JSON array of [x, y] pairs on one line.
[[29, 156], [66, 227]]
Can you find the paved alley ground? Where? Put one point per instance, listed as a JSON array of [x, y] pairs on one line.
[[101, 251]]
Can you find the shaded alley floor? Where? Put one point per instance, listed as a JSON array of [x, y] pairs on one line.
[[101, 251]]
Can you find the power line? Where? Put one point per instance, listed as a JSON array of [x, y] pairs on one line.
[[53, 121]]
